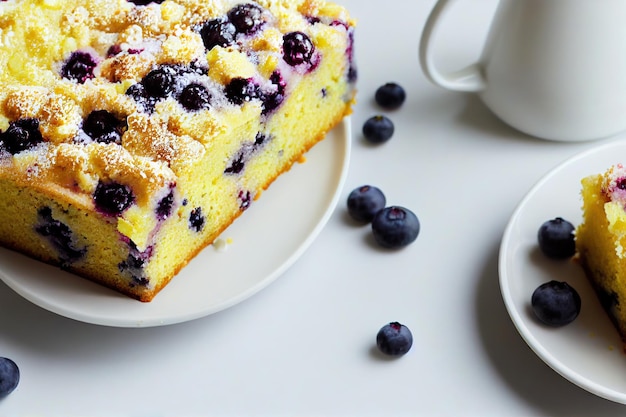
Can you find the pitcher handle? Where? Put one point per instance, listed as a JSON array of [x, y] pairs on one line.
[[469, 79]]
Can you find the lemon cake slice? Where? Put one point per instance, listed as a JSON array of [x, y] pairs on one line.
[[601, 241], [132, 133]]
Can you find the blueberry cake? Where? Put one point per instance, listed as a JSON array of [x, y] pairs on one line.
[[601, 241], [132, 133]]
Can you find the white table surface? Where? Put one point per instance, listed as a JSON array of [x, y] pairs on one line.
[[304, 346]]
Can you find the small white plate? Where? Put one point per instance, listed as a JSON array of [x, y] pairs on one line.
[[587, 352], [266, 240]]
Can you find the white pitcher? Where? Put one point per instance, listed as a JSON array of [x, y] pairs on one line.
[[555, 69]]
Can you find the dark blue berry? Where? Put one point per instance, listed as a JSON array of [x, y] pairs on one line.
[[195, 97], [21, 135], [273, 99], [79, 67], [59, 235], [394, 339], [136, 260], [555, 303], [247, 18], [164, 208], [395, 227], [9, 376], [196, 219], [236, 165], [140, 95], [218, 32], [102, 126], [112, 198], [241, 90], [160, 82], [245, 199], [140, 281], [390, 96], [260, 139], [378, 129], [352, 70], [145, 2], [297, 48], [364, 202], [556, 238]]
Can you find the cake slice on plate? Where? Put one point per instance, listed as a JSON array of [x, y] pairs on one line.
[[133, 133]]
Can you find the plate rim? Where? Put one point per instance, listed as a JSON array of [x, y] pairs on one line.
[[527, 335], [344, 140]]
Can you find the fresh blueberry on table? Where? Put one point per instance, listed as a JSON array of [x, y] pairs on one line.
[[395, 227], [364, 202], [378, 129], [555, 303], [394, 339], [390, 96], [9, 376], [556, 238]]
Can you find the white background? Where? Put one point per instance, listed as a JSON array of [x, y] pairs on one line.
[[304, 346]]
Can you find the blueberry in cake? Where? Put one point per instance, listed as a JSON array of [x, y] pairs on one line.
[[601, 241], [132, 133]]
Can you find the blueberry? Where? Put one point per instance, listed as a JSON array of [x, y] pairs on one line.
[[241, 90], [218, 32], [196, 219], [145, 2], [160, 82], [112, 198], [102, 126], [59, 235], [21, 135], [164, 208], [395, 227], [272, 100], [136, 261], [79, 67], [390, 96], [195, 97], [245, 199], [378, 129], [9, 376], [236, 165], [140, 95], [297, 48], [247, 18], [555, 303], [260, 139], [556, 238], [394, 339], [364, 202]]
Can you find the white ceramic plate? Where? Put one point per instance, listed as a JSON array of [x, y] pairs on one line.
[[266, 240], [587, 352]]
